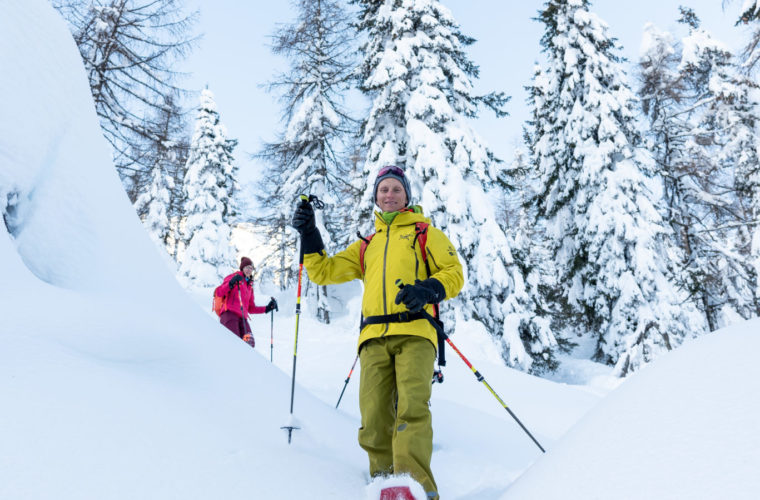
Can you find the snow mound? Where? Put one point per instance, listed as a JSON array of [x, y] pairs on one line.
[[58, 186], [678, 429], [114, 384]]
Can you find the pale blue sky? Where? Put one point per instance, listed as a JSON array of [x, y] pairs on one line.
[[233, 57]]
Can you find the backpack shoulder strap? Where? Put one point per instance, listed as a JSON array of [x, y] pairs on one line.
[[421, 236], [421, 230], [363, 248]]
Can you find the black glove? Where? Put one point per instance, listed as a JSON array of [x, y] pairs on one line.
[[416, 296], [272, 305], [305, 223], [303, 219], [235, 280]]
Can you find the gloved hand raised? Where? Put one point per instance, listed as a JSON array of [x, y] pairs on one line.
[[416, 296], [271, 306], [303, 219], [305, 223], [235, 280]]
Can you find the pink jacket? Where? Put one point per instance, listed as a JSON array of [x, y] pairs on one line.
[[243, 290]]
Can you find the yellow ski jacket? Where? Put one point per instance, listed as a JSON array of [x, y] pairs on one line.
[[390, 256]]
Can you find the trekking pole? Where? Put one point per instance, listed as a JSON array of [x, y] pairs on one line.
[[271, 331], [291, 426], [347, 379], [480, 377]]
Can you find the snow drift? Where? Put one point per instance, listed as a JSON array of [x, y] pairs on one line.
[[684, 427]]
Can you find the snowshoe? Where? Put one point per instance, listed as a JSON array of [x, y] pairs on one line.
[[396, 493]]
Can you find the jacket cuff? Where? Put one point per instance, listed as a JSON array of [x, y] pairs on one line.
[[311, 242]]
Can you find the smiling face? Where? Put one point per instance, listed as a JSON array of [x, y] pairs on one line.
[[391, 196], [248, 271]]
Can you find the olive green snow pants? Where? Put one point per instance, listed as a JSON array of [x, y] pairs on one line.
[[394, 391]]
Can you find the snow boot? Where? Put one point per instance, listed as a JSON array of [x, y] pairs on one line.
[[248, 339]]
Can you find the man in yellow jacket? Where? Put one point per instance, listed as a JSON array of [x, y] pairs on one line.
[[397, 343]]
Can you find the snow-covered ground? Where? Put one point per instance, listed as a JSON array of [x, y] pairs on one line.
[[115, 383]]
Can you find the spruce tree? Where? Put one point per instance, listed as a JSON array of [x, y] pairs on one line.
[[748, 175], [533, 345], [153, 203], [307, 156], [702, 136], [420, 81], [159, 204], [210, 189], [723, 154], [598, 194]]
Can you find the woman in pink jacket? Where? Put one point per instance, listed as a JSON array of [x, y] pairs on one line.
[[237, 289]]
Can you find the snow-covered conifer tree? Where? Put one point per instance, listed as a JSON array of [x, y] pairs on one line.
[[749, 175], [702, 135], [419, 78], [725, 149], [154, 204], [598, 194], [160, 201], [747, 243], [307, 156], [210, 187], [528, 315]]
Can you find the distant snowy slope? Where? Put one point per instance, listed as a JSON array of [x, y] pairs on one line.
[[684, 427]]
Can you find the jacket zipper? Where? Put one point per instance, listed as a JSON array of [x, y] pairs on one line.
[[385, 267]]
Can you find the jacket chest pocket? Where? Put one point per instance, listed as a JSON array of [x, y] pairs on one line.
[[394, 258]]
